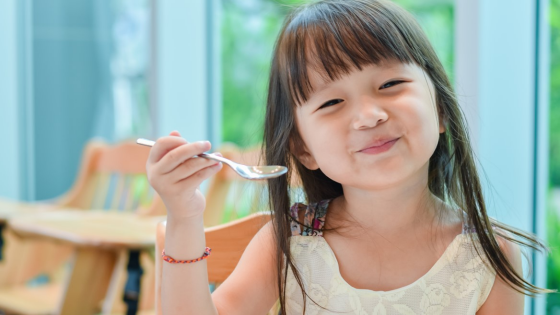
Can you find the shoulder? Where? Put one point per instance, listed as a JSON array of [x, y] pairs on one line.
[[511, 250], [503, 299], [256, 274]]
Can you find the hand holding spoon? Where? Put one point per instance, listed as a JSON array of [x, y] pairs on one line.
[[245, 171]]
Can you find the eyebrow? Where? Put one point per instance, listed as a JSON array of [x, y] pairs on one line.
[[323, 86], [383, 67]]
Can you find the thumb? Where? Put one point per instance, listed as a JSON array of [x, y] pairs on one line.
[[175, 133]]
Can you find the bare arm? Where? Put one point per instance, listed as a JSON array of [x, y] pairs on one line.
[[252, 287], [184, 288], [503, 300], [176, 175]]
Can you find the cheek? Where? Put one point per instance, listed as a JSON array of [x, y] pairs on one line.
[[322, 137], [324, 144], [424, 129]]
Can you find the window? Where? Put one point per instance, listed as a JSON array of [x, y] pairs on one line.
[[249, 30], [553, 204]]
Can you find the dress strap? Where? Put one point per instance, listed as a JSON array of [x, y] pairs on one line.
[[469, 228], [313, 220]]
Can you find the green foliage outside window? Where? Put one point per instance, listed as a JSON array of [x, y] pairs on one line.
[[249, 29], [553, 204], [553, 262]]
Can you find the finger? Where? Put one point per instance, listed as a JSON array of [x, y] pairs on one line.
[[175, 133], [197, 178], [189, 168], [180, 154], [164, 145]]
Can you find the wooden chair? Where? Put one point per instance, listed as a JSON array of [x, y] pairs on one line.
[[228, 196], [111, 178], [228, 242]]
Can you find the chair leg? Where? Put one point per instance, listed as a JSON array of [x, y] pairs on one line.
[[87, 285], [112, 303]]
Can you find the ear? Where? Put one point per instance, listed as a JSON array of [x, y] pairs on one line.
[[303, 155], [442, 124]]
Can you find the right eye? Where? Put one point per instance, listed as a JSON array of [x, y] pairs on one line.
[[330, 103]]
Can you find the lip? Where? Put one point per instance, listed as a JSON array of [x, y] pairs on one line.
[[380, 146]]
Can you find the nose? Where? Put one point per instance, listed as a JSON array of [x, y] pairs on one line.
[[369, 114]]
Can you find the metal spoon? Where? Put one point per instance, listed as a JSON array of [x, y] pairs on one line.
[[248, 172]]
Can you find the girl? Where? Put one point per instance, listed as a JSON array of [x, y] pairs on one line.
[[360, 108]]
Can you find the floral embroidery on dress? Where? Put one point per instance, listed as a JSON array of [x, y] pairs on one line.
[[458, 283], [463, 283], [379, 309], [434, 299], [403, 309], [314, 218]]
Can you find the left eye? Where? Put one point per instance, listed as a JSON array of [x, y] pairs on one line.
[[390, 84]]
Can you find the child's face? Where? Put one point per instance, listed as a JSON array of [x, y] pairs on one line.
[[344, 119]]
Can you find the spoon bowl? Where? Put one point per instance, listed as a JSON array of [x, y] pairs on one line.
[[245, 171]]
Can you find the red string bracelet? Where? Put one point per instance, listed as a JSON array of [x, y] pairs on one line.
[[175, 261]]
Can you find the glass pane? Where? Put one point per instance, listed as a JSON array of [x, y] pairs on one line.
[[437, 19], [130, 68], [249, 29], [553, 205], [89, 64]]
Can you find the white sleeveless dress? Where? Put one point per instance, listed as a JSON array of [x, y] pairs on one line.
[[458, 283]]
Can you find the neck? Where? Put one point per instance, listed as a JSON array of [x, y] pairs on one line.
[[391, 210]]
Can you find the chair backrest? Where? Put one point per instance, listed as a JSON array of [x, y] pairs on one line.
[[229, 196], [110, 177], [228, 242], [113, 177]]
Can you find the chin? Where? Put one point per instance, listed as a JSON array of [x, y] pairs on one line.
[[371, 183]]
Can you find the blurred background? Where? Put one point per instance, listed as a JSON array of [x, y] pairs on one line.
[[76, 70]]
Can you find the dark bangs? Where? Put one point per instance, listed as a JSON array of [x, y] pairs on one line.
[[348, 34]]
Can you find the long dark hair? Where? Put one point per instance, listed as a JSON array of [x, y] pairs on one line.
[[351, 34]]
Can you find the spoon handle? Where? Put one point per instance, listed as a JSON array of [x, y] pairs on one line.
[[151, 143], [146, 142], [216, 158]]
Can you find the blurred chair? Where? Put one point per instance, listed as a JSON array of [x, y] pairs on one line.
[[111, 178], [228, 242], [229, 196]]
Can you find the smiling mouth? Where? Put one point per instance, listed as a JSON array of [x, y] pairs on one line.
[[380, 148]]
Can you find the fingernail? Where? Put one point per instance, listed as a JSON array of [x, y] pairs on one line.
[[204, 144]]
